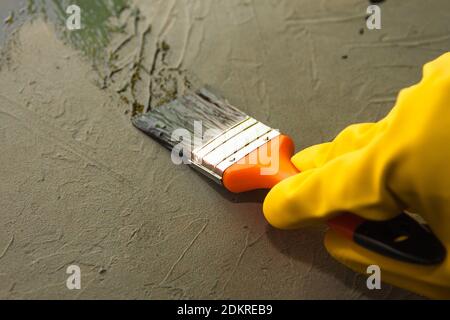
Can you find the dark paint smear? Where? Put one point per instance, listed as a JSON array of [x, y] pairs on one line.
[[139, 85], [11, 17], [96, 29]]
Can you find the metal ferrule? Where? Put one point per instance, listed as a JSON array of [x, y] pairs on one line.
[[221, 152]]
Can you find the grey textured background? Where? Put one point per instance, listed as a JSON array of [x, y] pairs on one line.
[[79, 185]]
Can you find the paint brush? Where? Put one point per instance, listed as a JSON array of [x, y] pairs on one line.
[[204, 130]]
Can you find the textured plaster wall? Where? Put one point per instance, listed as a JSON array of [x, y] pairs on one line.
[[79, 185]]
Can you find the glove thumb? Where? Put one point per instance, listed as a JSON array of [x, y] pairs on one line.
[[353, 182]]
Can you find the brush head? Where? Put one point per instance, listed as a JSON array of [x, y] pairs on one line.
[[206, 130], [203, 107]]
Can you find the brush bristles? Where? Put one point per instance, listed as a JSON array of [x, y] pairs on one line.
[[205, 131], [202, 107]]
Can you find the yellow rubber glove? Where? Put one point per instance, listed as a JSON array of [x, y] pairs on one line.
[[378, 170]]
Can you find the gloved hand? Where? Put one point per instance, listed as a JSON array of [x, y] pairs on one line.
[[376, 171]]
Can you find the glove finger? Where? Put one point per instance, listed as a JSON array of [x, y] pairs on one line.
[[353, 182], [350, 139]]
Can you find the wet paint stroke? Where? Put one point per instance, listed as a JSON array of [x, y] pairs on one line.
[[118, 41]]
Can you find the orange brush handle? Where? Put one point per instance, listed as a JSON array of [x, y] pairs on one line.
[[248, 173], [268, 165]]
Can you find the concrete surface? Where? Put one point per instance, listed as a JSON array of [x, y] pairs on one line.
[[79, 185]]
